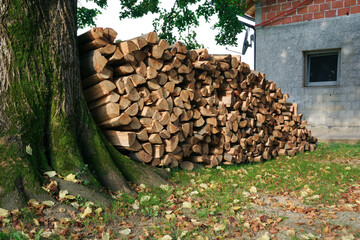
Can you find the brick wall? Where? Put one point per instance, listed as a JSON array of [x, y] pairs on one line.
[[314, 9]]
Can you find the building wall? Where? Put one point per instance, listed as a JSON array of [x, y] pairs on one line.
[[314, 9], [280, 54]]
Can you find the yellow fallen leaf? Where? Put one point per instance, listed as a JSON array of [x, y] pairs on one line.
[[291, 232], [166, 237], [98, 210], [264, 237], [144, 198], [50, 174], [236, 208], [125, 232], [164, 187], [253, 189], [62, 194], [70, 178], [247, 225], [4, 212], [86, 213], [183, 233], [348, 237], [28, 149], [69, 197], [36, 222], [46, 234], [75, 205], [48, 203], [33, 202], [186, 204], [219, 227], [170, 216], [105, 236]]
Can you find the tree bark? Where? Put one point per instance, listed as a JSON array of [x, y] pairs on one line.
[[44, 120]]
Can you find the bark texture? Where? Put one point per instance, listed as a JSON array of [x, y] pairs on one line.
[[42, 108]]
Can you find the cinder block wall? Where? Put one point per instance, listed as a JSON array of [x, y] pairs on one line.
[[280, 54]]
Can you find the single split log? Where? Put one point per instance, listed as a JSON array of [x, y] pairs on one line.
[[91, 63], [119, 138]]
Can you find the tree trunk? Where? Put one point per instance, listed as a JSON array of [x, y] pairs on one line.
[[44, 120]]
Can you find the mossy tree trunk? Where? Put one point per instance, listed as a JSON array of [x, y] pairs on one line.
[[42, 108]]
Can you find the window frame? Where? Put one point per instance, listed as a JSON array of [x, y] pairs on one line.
[[309, 54]]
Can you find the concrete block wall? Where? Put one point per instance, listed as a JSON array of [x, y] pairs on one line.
[[315, 9], [280, 54]]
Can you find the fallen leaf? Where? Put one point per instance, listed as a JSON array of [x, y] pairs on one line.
[[291, 232], [245, 194], [86, 213], [98, 211], [170, 216], [70, 178], [194, 193], [48, 203], [183, 233], [164, 187], [33, 202], [36, 222], [186, 204], [4, 212], [247, 225], [264, 237], [75, 205], [50, 174], [144, 199], [105, 236], [348, 237], [219, 227], [62, 194], [28, 150], [69, 197], [166, 237], [125, 232], [46, 234], [135, 206]]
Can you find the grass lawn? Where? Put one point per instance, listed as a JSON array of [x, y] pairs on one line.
[[310, 196]]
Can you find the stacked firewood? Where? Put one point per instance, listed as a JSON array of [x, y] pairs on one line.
[[167, 106]]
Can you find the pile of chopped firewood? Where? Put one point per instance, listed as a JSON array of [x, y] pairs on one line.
[[167, 106]]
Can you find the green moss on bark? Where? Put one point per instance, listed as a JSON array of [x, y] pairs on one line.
[[16, 172], [96, 155]]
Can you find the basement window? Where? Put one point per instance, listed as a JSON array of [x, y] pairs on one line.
[[322, 68]]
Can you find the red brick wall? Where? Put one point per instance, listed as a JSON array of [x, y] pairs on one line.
[[314, 9]]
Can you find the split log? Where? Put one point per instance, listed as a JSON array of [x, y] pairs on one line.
[[99, 90], [91, 63], [121, 120], [105, 112], [94, 33], [119, 138]]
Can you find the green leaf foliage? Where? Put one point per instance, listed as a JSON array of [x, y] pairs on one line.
[[86, 17], [179, 23]]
